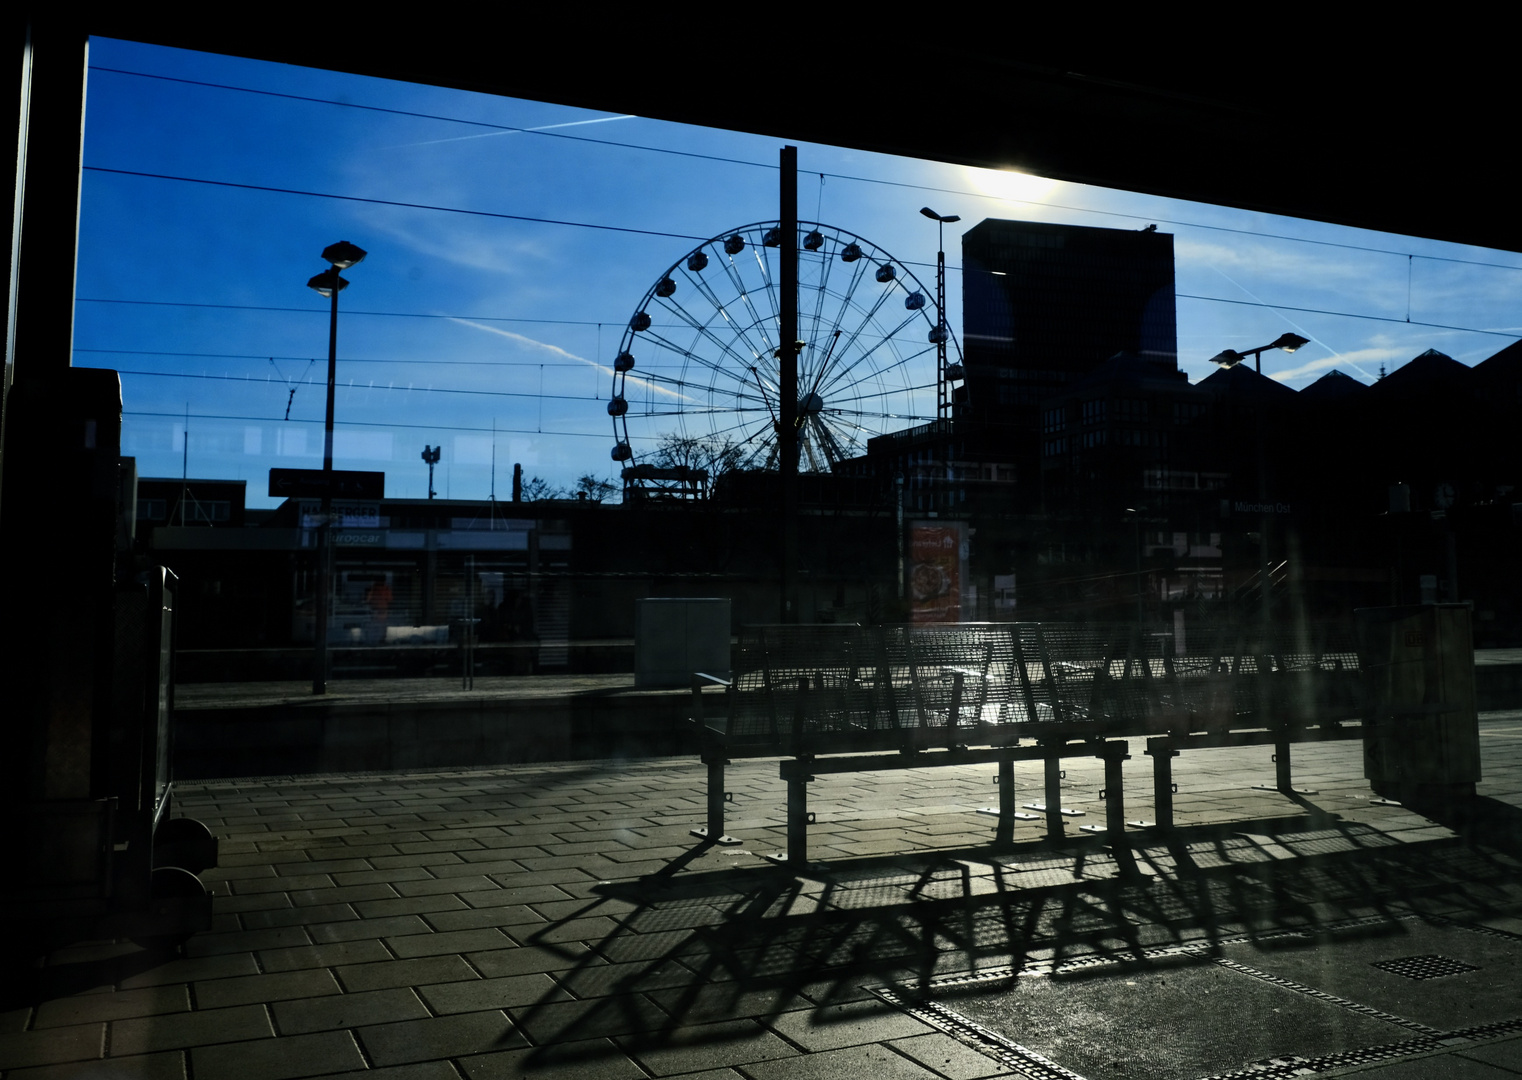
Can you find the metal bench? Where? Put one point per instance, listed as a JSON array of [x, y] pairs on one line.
[[837, 699], [847, 698]]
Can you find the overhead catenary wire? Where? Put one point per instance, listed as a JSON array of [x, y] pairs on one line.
[[770, 165], [601, 436], [444, 389], [369, 386]]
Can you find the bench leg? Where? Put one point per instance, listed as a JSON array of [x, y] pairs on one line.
[[1115, 754], [1162, 780], [798, 819], [1053, 765], [1005, 833], [713, 832], [1283, 782]]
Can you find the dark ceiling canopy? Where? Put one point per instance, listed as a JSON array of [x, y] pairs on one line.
[[1399, 135]]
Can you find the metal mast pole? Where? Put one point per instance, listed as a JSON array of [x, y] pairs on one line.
[[787, 359], [940, 335], [940, 314], [325, 523]]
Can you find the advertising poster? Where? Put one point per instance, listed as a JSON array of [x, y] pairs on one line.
[[937, 557]]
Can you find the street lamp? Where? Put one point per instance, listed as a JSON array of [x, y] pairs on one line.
[[940, 333], [431, 456], [329, 283], [1230, 357]]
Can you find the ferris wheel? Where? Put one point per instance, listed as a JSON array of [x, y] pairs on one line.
[[700, 358]]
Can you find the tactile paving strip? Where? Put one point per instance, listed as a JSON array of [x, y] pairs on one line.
[[1039, 1067], [982, 1039], [1421, 968], [1330, 999]]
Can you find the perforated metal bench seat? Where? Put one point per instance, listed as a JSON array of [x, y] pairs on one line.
[[909, 696]]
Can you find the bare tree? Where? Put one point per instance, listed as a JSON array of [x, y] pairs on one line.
[[595, 489], [537, 489], [714, 454]]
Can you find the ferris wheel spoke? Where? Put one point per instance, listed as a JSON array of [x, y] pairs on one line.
[[742, 293], [806, 444], [899, 361], [835, 328], [827, 440], [724, 348], [751, 431], [757, 351], [850, 343], [724, 411], [763, 263], [837, 400], [712, 365], [869, 397]]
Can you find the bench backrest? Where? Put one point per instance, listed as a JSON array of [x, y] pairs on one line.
[[838, 687]]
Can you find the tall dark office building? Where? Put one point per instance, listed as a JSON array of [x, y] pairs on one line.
[[1045, 305]]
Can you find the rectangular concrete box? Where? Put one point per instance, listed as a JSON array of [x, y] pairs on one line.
[[675, 637]]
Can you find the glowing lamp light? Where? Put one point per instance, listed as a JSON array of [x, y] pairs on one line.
[[326, 281], [344, 254]]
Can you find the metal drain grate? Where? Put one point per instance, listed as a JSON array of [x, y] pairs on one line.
[[1431, 966]]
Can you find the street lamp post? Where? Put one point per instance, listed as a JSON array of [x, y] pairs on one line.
[[1230, 357], [431, 457], [940, 334], [329, 283], [1288, 342]]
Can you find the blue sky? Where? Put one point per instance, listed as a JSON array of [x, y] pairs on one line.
[[510, 242]]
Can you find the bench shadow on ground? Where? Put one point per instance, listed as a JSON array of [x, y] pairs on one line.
[[694, 948]]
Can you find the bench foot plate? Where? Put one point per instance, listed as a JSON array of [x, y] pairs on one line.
[[724, 840], [1064, 811], [1018, 815], [1291, 791], [781, 859]]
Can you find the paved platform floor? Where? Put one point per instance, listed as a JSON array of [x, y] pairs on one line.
[[559, 921]]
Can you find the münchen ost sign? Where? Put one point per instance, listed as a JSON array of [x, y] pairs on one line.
[[1241, 506]]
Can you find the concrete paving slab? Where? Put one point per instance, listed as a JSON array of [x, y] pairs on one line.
[[591, 1059], [950, 1058], [112, 1005], [347, 1011], [168, 1065], [434, 1038], [285, 1058], [672, 937], [705, 1047]]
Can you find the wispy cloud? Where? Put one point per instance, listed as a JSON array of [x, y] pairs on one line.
[[556, 350], [1355, 359], [512, 131]]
